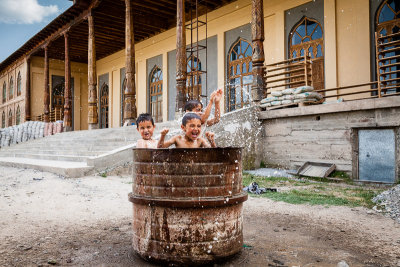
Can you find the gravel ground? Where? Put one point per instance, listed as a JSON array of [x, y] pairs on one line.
[[48, 220], [388, 202]]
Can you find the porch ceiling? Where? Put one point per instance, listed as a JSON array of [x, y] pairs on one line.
[[150, 18]]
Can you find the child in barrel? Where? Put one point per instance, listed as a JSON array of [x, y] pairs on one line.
[[145, 126], [197, 107], [191, 125]]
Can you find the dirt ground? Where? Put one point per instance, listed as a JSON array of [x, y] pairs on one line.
[[46, 219]]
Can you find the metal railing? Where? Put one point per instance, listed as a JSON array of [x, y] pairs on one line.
[[289, 73]]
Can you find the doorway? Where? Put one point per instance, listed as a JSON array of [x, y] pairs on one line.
[[377, 155]]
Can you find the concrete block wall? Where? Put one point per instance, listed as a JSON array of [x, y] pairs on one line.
[[326, 133]]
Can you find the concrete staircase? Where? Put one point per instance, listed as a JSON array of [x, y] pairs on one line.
[[78, 153]]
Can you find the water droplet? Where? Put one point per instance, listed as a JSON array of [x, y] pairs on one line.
[[208, 251], [210, 247]]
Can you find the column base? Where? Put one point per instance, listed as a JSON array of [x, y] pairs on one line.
[[93, 126], [68, 129]]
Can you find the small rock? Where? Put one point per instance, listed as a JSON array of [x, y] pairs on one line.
[[276, 230], [370, 212], [52, 262], [342, 264], [69, 260]]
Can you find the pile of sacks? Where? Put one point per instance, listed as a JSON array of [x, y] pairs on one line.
[[28, 130], [21, 133], [53, 128], [290, 96]]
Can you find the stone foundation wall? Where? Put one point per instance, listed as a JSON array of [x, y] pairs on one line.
[[325, 133], [241, 128]]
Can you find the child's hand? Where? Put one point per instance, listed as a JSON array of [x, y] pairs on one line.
[[164, 132], [210, 136], [218, 95], [213, 95]]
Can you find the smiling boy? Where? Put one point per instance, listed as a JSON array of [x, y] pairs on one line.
[[145, 126], [191, 125]]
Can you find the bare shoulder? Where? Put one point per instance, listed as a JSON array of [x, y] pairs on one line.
[[140, 143]]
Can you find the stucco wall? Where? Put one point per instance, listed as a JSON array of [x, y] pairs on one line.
[[56, 67], [347, 53], [324, 133]]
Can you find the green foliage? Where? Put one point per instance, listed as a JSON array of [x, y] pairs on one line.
[[103, 174], [315, 191]]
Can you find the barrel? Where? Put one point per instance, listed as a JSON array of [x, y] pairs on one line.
[[187, 204]]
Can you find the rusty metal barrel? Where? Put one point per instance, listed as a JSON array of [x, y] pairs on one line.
[[187, 204]]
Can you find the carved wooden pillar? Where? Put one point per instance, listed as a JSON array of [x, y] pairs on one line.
[[67, 88], [181, 96], [130, 88], [257, 33], [28, 89], [46, 110], [92, 77]]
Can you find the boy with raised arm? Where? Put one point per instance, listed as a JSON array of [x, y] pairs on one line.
[[145, 126], [191, 125], [197, 107]]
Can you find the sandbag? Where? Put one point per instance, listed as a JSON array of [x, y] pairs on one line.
[[303, 89], [269, 99], [308, 95], [288, 91], [287, 102], [276, 93]]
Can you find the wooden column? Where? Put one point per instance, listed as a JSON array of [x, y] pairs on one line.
[[67, 87], [28, 89], [257, 34], [46, 110], [130, 88], [92, 77], [181, 96]]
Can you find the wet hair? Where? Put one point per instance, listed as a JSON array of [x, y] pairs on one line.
[[144, 117], [189, 116], [191, 105]]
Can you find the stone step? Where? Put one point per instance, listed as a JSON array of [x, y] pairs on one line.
[[64, 168], [83, 143], [73, 152], [75, 158]]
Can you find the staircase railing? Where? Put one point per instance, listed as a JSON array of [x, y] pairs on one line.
[[55, 114]]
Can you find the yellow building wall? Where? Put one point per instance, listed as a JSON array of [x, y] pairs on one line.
[[347, 60], [56, 67], [353, 44], [219, 21]]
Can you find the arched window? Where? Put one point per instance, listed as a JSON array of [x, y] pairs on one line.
[[387, 17], [19, 88], [193, 83], [4, 92], [3, 120], [240, 75], [156, 80], [307, 37], [387, 22], [10, 118], [18, 116], [11, 89], [104, 106]]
